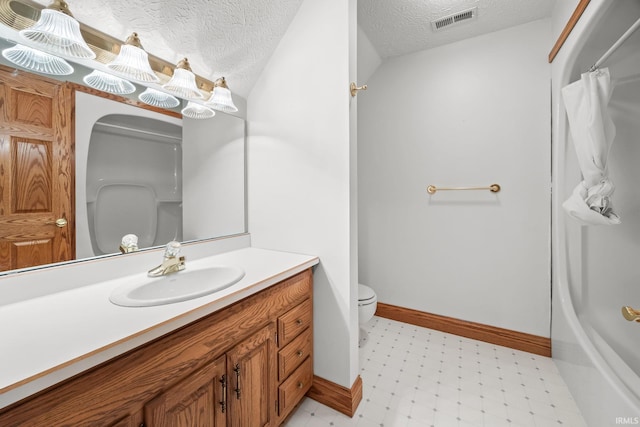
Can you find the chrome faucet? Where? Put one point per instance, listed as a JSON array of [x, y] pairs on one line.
[[171, 263]]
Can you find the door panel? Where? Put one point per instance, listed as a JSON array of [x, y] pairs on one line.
[[251, 369], [31, 109], [32, 252], [31, 160], [37, 184], [196, 401]]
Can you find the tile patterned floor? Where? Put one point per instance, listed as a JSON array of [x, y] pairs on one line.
[[415, 376]]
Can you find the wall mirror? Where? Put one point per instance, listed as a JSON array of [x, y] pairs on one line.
[[139, 170]]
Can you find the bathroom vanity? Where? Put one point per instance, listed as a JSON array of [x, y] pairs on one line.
[[246, 360]]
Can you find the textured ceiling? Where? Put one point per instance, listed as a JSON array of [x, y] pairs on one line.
[[399, 27], [235, 38], [230, 38]]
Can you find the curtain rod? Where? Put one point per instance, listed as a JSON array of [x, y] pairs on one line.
[[615, 46]]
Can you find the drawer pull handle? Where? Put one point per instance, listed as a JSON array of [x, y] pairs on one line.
[[300, 353], [299, 322], [223, 402], [236, 369], [300, 384]]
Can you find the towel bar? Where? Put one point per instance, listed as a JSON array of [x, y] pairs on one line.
[[494, 188]]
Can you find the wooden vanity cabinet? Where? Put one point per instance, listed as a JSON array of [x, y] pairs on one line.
[[235, 390], [251, 367], [247, 365], [295, 367], [198, 400]]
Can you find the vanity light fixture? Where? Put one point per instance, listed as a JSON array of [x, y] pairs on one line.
[[183, 82], [158, 99], [127, 60], [36, 60], [221, 97], [133, 62], [197, 111], [58, 33], [108, 83]]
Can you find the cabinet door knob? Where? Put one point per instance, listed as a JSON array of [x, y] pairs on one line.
[[300, 353], [299, 322], [300, 384]]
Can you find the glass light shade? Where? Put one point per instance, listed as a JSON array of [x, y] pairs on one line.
[[108, 83], [221, 100], [197, 111], [133, 62], [36, 60], [158, 99], [183, 84], [59, 34]]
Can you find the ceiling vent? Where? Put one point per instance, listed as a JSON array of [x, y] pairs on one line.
[[456, 18]]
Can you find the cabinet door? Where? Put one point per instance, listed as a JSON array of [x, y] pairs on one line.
[[197, 401], [128, 421], [251, 366]]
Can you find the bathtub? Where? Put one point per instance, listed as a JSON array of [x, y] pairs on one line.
[[596, 269]]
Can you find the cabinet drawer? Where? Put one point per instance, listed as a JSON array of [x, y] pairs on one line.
[[293, 322], [294, 388], [290, 357]]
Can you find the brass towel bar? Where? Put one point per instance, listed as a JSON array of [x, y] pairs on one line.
[[494, 188]]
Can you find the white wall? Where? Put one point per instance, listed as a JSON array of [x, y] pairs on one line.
[[471, 113], [299, 170], [562, 10], [354, 361], [213, 174], [368, 58]]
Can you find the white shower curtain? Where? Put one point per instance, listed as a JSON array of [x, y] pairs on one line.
[[593, 132]]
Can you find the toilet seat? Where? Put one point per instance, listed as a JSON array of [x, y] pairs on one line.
[[366, 295], [367, 303]]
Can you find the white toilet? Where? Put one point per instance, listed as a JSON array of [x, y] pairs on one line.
[[367, 304]]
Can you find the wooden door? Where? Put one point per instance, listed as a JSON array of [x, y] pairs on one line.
[[37, 170], [197, 401], [251, 367]]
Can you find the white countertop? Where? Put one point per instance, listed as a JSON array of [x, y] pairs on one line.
[[47, 339]]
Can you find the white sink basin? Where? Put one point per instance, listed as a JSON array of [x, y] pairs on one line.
[[185, 285]]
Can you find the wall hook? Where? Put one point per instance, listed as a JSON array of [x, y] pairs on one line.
[[355, 89]]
